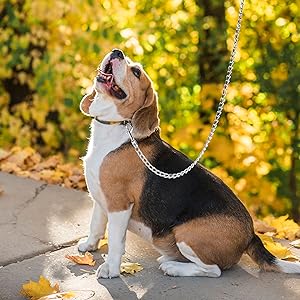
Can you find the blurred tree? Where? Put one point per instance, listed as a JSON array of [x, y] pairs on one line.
[[51, 48], [212, 46], [279, 75]]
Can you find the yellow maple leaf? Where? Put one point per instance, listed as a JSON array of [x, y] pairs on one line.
[[103, 241], [130, 268], [277, 249], [86, 259], [35, 290], [285, 228]]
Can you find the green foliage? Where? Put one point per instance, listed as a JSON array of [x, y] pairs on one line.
[[50, 50]]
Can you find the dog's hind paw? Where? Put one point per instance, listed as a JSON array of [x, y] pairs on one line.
[[84, 245], [170, 268], [164, 258]]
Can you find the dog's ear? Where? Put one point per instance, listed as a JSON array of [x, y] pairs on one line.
[[145, 120], [86, 102]]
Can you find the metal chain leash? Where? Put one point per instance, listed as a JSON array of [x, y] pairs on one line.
[[216, 120]]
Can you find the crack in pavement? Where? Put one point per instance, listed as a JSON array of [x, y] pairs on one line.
[[47, 246], [52, 248], [20, 208]]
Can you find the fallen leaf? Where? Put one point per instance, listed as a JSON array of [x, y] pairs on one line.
[[35, 290], [10, 167], [34, 159], [130, 268], [285, 228], [103, 241], [27, 162], [295, 243], [262, 227], [4, 154], [86, 259], [20, 155], [49, 163], [277, 249]]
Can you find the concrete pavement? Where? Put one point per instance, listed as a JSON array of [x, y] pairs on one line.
[[40, 224]]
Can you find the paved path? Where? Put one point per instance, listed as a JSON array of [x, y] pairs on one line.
[[41, 223]]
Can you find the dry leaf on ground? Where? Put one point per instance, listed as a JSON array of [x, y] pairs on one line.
[[35, 290], [277, 249], [103, 241], [28, 163], [296, 243], [262, 227], [130, 268], [4, 154], [86, 259], [285, 228]]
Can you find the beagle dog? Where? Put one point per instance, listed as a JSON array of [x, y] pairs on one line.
[[195, 222]]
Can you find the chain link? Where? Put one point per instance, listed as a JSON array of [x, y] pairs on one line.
[[215, 122]]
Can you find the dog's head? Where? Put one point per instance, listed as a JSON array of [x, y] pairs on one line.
[[123, 91]]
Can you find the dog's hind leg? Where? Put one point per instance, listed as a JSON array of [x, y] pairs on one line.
[[166, 246], [193, 268]]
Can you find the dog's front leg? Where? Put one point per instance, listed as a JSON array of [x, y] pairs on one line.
[[97, 230], [117, 226]]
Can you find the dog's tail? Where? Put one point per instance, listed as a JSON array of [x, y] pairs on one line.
[[268, 261]]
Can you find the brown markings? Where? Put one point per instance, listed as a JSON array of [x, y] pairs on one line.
[[167, 246], [145, 120], [86, 102], [217, 239], [122, 177], [141, 105]]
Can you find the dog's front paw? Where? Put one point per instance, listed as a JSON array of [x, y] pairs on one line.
[[107, 270], [84, 245]]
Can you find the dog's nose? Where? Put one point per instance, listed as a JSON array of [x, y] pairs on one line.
[[116, 53]]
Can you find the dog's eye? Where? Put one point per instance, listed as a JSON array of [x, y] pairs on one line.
[[136, 72]]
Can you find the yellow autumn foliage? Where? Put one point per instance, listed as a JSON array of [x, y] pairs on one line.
[[277, 249], [35, 290], [285, 227], [50, 50]]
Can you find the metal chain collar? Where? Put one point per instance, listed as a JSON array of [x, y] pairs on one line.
[[216, 120]]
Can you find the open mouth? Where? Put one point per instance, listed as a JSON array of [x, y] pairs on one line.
[[107, 77]]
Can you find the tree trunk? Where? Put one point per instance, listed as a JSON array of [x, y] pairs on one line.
[[212, 41], [295, 199]]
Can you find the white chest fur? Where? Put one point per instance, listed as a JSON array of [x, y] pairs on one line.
[[103, 140]]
